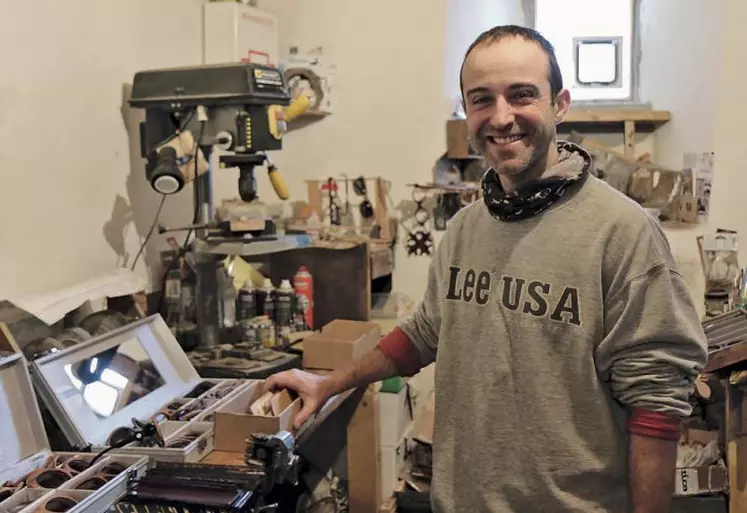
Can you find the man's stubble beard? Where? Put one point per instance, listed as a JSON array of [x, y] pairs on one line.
[[480, 144]]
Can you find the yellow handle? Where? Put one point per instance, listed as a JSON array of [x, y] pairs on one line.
[[276, 179], [297, 107]]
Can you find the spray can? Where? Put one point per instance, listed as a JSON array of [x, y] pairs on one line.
[[303, 284], [283, 303], [284, 297], [266, 299], [246, 302]]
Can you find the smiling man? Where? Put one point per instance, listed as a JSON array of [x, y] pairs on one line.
[[565, 340]]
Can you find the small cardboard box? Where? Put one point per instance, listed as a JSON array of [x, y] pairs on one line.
[[234, 422], [700, 436], [457, 139], [701, 480], [339, 342]]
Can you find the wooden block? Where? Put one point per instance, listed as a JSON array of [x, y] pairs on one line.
[[7, 340], [389, 506], [262, 405], [280, 401], [641, 185], [246, 225], [630, 138], [688, 211]]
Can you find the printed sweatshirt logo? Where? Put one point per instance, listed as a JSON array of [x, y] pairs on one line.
[[530, 297]]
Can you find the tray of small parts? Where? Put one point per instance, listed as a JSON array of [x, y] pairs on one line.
[[35, 479], [96, 391]]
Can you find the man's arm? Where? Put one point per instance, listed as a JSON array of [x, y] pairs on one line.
[[652, 352], [403, 352], [652, 456], [394, 356]]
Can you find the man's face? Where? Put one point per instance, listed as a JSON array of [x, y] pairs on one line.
[[510, 110]]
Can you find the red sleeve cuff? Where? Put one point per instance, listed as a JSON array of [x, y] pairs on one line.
[[654, 424], [398, 347]]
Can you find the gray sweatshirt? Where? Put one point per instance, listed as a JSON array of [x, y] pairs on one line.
[[544, 332]]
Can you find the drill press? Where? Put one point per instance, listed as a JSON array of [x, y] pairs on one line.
[[242, 111]]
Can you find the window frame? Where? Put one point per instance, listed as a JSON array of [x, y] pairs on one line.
[[616, 42], [635, 52]]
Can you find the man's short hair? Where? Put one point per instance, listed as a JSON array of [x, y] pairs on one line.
[[495, 34]]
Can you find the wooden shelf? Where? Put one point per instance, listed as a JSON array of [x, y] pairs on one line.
[[313, 114], [306, 119], [628, 119], [606, 116]]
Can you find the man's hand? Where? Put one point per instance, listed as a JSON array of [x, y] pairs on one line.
[[313, 390]]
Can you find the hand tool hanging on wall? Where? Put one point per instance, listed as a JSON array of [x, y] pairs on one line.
[[334, 208], [366, 208], [439, 215], [420, 241], [347, 215]]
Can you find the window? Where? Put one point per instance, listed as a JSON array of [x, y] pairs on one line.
[[593, 41]]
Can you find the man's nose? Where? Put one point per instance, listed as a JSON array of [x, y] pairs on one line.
[[503, 115]]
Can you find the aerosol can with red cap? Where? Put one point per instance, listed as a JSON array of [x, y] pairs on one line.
[[303, 285]]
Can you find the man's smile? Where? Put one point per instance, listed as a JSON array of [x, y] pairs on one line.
[[504, 140]]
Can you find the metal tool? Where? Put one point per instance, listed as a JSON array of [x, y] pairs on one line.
[[270, 461], [420, 241], [240, 112], [726, 330], [275, 454], [145, 434]]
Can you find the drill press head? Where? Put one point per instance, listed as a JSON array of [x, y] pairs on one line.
[[235, 108]]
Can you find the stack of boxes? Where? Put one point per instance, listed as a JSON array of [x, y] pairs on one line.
[[396, 410], [338, 343]]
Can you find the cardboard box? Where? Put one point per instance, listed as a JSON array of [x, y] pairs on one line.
[[457, 139], [364, 456], [234, 422], [395, 415], [700, 436], [393, 460], [338, 343], [701, 480]]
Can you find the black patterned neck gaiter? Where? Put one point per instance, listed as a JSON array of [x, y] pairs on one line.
[[537, 196]]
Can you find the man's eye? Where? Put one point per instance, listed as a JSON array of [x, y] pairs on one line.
[[523, 95], [480, 99]]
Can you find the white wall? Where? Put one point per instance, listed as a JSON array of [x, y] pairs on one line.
[[680, 71], [69, 167], [730, 180], [681, 43], [391, 110], [467, 20]]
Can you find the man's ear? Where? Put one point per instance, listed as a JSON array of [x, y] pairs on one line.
[[562, 105]]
